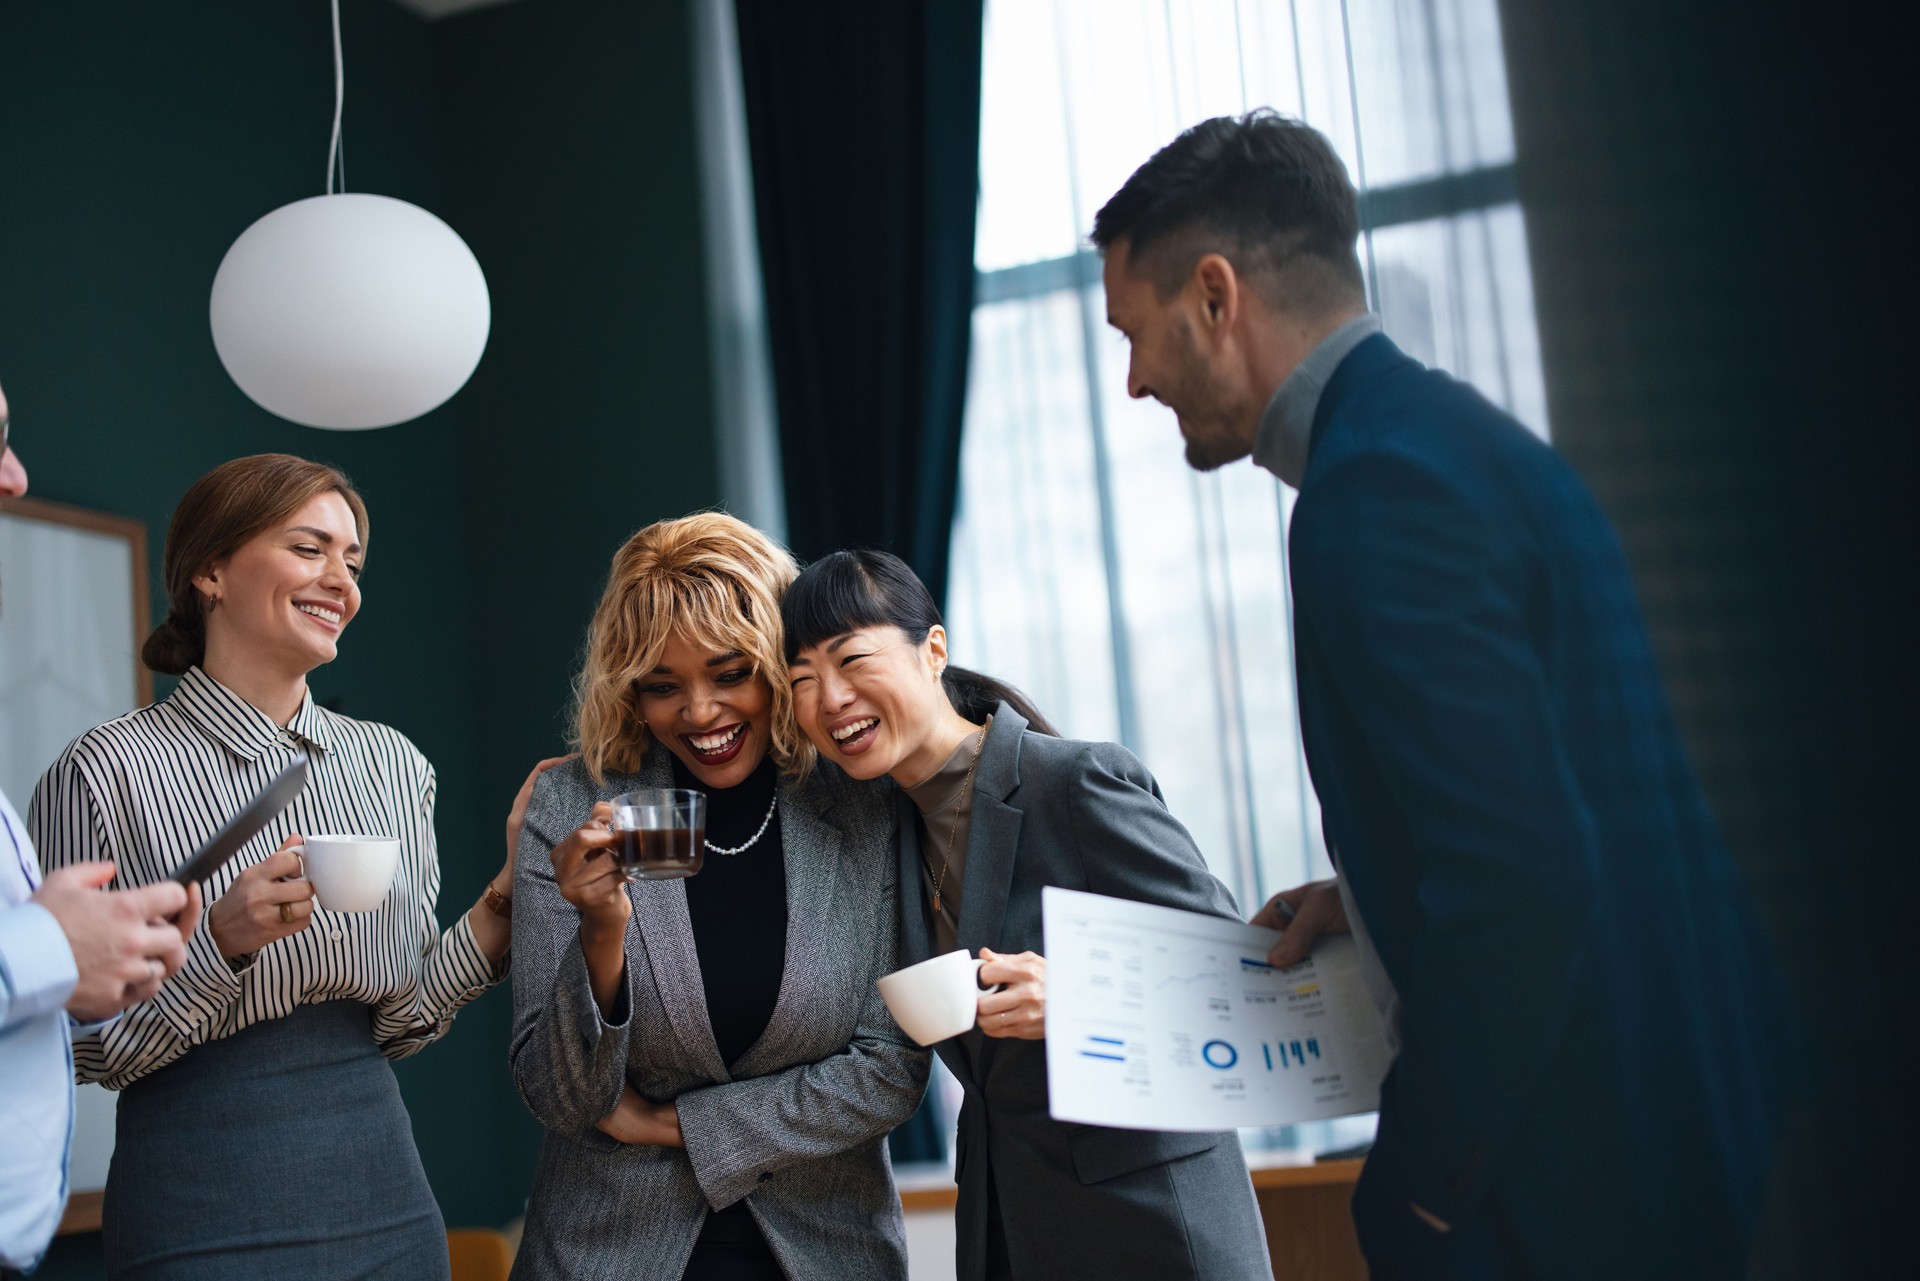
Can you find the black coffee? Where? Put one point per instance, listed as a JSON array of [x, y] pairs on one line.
[[661, 854]]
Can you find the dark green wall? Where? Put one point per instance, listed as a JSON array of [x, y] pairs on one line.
[[570, 148], [138, 140]]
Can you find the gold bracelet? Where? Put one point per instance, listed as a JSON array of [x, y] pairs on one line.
[[497, 903]]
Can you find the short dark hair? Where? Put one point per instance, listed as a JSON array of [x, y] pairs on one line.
[[849, 590], [1266, 191]]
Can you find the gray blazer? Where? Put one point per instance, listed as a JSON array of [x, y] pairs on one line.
[[1075, 1200], [797, 1126]]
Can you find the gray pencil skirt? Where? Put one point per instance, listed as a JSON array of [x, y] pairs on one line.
[[282, 1151]]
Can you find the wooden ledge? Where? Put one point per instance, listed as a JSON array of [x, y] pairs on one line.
[[82, 1213], [926, 1194], [923, 1199], [1319, 1174]]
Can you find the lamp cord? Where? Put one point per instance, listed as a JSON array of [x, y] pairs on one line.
[[336, 149]]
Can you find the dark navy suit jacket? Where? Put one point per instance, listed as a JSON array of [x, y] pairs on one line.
[[1585, 1081]]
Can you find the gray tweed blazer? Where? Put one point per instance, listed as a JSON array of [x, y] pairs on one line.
[[797, 1126]]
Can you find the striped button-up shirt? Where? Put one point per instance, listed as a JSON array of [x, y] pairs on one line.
[[148, 788]]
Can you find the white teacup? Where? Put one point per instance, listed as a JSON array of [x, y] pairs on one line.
[[935, 999], [350, 873]]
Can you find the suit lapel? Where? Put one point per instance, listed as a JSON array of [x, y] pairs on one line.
[[993, 835], [660, 909], [665, 939], [993, 840], [809, 842], [916, 933]]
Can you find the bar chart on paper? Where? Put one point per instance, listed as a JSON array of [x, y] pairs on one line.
[[1169, 1020]]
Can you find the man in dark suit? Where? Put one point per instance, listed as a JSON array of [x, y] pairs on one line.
[[1586, 1039]]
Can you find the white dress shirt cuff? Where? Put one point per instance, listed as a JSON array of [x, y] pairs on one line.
[[36, 963], [77, 1028]]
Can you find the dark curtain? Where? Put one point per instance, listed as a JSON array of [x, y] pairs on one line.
[[863, 118], [1723, 274]]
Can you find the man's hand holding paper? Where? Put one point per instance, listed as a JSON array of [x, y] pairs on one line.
[[1302, 914]]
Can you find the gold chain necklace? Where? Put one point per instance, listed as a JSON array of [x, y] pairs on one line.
[[966, 790]]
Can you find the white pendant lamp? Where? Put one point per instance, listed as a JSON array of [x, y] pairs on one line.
[[349, 311]]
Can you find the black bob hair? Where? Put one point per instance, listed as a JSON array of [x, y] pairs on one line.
[[849, 590]]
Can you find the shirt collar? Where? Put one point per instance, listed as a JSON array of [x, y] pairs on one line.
[[1286, 427], [238, 725]]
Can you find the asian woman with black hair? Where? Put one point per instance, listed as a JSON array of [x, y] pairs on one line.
[[996, 807]]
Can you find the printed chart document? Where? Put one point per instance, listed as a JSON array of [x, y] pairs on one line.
[[1159, 1019]]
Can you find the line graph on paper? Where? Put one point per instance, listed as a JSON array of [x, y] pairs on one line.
[[1185, 980]]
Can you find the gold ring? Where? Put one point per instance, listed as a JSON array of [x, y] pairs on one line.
[[286, 914]]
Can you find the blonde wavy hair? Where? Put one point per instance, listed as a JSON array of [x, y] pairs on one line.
[[711, 579]]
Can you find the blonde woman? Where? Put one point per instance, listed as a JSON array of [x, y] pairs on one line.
[[715, 1071]]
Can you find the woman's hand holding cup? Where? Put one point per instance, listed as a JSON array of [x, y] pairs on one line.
[[588, 875], [941, 997], [268, 901], [1017, 1005], [590, 878]]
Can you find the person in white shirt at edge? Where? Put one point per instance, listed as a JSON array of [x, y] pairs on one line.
[[260, 1131], [71, 956]]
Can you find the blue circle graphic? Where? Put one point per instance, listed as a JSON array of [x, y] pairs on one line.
[[1206, 1052]]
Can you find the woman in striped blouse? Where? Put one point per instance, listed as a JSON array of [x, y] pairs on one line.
[[260, 1129]]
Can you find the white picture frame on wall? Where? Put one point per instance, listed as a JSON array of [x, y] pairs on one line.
[[73, 615]]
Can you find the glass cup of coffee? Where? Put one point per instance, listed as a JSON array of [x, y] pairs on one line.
[[660, 834]]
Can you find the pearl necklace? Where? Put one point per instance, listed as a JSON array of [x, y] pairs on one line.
[[748, 844]]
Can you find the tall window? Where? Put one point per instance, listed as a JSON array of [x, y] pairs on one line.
[[1133, 598]]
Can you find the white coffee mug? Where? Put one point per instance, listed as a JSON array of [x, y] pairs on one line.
[[350, 873], [935, 999]]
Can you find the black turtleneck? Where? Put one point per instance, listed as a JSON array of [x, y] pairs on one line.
[[738, 904]]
